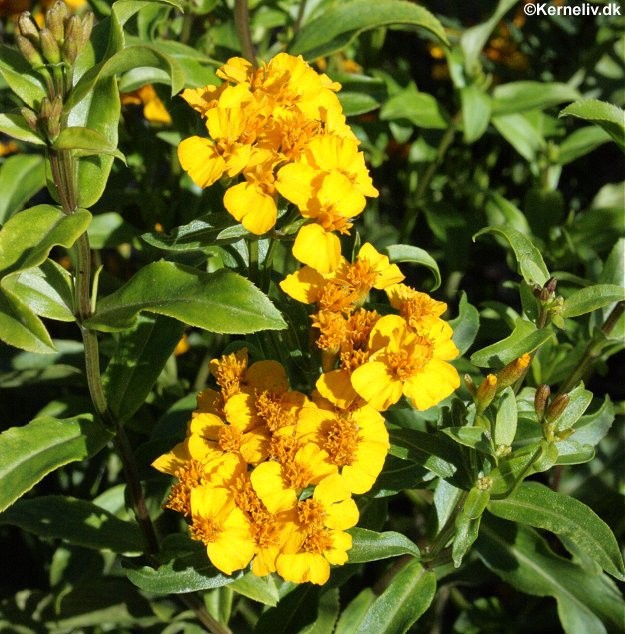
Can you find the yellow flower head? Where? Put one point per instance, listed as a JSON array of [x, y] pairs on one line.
[[356, 440], [403, 362], [153, 108], [222, 527], [418, 309]]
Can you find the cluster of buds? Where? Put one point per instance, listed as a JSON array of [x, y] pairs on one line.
[[495, 383], [549, 411], [551, 304], [58, 41]]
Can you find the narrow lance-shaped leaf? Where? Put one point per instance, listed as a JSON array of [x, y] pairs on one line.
[[21, 177], [29, 453], [221, 302], [591, 298], [15, 126], [521, 557], [370, 545], [406, 598], [78, 522], [529, 259], [537, 505], [27, 237], [409, 253], [337, 26], [606, 115]]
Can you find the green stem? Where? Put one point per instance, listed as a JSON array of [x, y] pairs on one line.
[[541, 322], [252, 250], [432, 551], [242, 26], [300, 16], [584, 368]]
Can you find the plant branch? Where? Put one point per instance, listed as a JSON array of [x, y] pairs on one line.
[[242, 26]]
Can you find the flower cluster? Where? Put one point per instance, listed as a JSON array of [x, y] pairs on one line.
[[279, 130], [378, 358], [266, 474]]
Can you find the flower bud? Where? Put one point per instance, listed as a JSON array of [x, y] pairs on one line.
[[56, 17], [540, 400], [86, 28], [468, 381], [51, 116], [486, 393], [513, 371], [30, 117], [32, 55], [556, 408], [70, 51], [49, 47], [27, 27]]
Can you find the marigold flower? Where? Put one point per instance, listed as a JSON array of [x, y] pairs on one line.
[[222, 527], [356, 440], [418, 309], [403, 362]]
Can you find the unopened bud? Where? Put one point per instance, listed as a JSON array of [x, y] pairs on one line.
[[503, 450], [70, 51], [27, 27], [30, 53], [51, 116], [512, 372], [550, 285], [30, 117], [484, 483], [56, 16], [540, 400], [86, 28], [49, 47], [556, 408], [468, 381], [486, 393]]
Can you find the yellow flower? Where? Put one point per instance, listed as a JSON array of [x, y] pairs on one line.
[[347, 287], [403, 362], [153, 108], [356, 440], [320, 539], [222, 527], [418, 309], [279, 484]]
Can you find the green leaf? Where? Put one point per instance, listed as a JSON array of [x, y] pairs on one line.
[[537, 505], [27, 237], [405, 599], [501, 212], [435, 453], [522, 558], [355, 612], [78, 522], [15, 126], [46, 290], [472, 437], [355, 103], [521, 132], [467, 529], [370, 545], [296, 610], [327, 613], [337, 26], [408, 253], [19, 325], [465, 325], [260, 589], [591, 298], [29, 453], [529, 259], [420, 108], [188, 572], [21, 177], [581, 142], [137, 362], [519, 96], [476, 503], [525, 338], [474, 38], [506, 419], [109, 230], [221, 302], [200, 234], [125, 9], [20, 77], [476, 112], [88, 142], [606, 115], [579, 400]]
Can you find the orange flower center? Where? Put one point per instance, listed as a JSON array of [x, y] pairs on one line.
[[270, 408], [318, 541], [189, 476], [311, 513], [406, 363], [229, 438], [341, 441], [204, 529], [229, 374]]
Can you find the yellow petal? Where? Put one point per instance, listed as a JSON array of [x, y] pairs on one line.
[[294, 182], [269, 486], [377, 385], [173, 460], [336, 386], [199, 157], [386, 329], [317, 248], [267, 375], [305, 285], [252, 207], [430, 386]]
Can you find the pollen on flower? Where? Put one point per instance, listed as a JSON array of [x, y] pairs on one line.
[[204, 529], [229, 438], [189, 476], [270, 407], [318, 541], [311, 513], [341, 440], [406, 363], [229, 371], [332, 329]]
